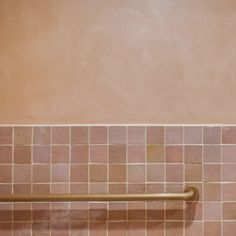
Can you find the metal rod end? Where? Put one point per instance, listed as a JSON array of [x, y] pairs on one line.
[[193, 191]]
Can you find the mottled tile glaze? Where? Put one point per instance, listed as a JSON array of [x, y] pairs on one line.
[[119, 159]]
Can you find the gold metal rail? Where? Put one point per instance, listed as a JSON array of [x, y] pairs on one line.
[[190, 193]]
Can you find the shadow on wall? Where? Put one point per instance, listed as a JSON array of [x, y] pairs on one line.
[[174, 210]]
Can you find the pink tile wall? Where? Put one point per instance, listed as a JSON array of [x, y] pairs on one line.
[[119, 159]]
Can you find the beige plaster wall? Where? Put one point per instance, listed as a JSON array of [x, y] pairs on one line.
[[117, 61]]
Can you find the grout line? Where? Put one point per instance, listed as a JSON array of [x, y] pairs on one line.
[[107, 187], [146, 187], [69, 167], [165, 179], [88, 184], [221, 187], [120, 182], [126, 179], [184, 183], [189, 221], [31, 182], [101, 144], [50, 167], [203, 187], [131, 163], [12, 177], [121, 124]]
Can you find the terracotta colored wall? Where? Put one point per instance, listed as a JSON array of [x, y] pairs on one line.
[[133, 61]]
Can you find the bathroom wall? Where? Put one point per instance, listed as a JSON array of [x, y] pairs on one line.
[[118, 62], [119, 159], [157, 61]]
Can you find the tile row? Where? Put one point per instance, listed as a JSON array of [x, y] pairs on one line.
[[190, 154], [117, 134]]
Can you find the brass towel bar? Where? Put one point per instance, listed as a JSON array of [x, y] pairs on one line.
[[190, 193]]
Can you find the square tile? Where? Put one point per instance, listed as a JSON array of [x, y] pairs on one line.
[[98, 187], [136, 211], [136, 228], [22, 135], [136, 153], [98, 153], [79, 173], [60, 154], [116, 228], [229, 209], [6, 135], [97, 207], [42, 135], [79, 153], [212, 154], [117, 187], [212, 228], [41, 173], [6, 212], [174, 154], [98, 135], [155, 135], [136, 173], [60, 135], [22, 188], [79, 135], [22, 173], [229, 153], [175, 228], [78, 188], [174, 173], [60, 173], [117, 211], [229, 135], [136, 188], [41, 211], [155, 153], [155, 228], [174, 135], [229, 228], [155, 172], [193, 154], [98, 172], [22, 211], [6, 188], [229, 172], [229, 191], [60, 188], [117, 135], [117, 153], [212, 191], [5, 154], [41, 154], [211, 135], [193, 173], [155, 210], [212, 210], [117, 173], [136, 134], [212, 173], [5, 173], [193, 229], [174, 210], [80, 211], [193, 135], [22, 154]]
